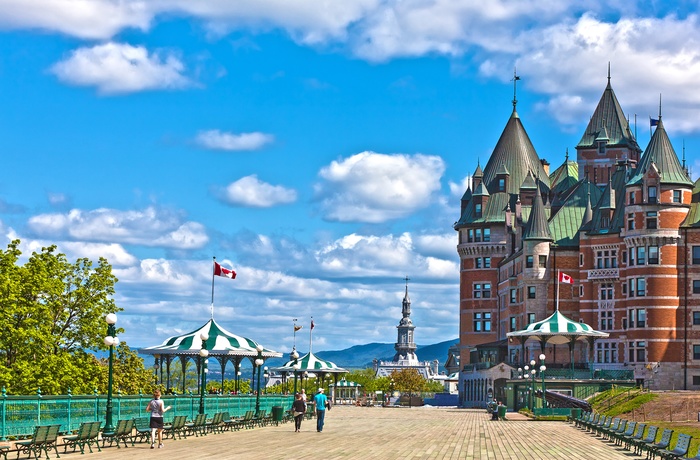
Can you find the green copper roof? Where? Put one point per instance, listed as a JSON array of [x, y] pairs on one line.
[[661, 153], [481, 190], [693, 217], [609, 121], [564, 177], [514, 151], [537, 227], [565, 225]]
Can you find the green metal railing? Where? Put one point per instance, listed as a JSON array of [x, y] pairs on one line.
[[20, 414]]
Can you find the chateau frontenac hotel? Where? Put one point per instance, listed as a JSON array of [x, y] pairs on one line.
[[622, 223]]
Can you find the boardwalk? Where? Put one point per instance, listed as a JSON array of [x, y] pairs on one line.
[[383, 434]]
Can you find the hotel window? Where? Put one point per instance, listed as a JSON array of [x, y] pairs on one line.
[[606, 259], [501, 185], [651, 195], [531, 290], [696, 351], [641, 257], [641, 287], [470, 235], [482, 290], [529, 261], [624, 257], [477, 235], [487, 262], [630, 221], [653, 255], [477, 262], [530, 318], [624, 289], [482, 322], [631, 201], [631, 256], [696, 380], [696, 318], [606, 352], [513, 296], [606, 320], [677, 196], [513, 324], [696, 255], [696, 286], [543, 261], [606, 291], [637, 317], [487, 235], [652, 220], [477, 209], [637, 352]]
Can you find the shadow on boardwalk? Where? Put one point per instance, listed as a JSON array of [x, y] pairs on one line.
[[383, 433]]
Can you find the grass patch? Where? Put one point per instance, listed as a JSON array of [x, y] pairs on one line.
[[630, 405]]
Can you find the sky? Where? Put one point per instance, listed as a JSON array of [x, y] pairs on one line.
[[318, 148]]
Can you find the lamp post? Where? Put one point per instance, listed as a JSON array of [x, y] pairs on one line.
[[111, 341], [266, 376], [203, 353], [258, 363], [542, 369], [533, 371], [295, 356]]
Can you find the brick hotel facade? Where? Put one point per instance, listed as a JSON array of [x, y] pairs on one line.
[[622, 222]]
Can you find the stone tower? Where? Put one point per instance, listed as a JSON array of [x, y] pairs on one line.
[[405, 346]]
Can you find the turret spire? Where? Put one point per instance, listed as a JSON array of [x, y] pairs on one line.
[[515, 88]]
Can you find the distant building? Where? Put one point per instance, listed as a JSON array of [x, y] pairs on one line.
[[405, 346], [619, 227]]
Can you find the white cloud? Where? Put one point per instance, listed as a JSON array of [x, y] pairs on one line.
[[90, 19], [249, 191], [458, 189], [374, 187], [217, 140], [121, 68], [147, 227]]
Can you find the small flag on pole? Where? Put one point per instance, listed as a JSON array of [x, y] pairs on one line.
[[312, 325], [564, 278], [653, 122], [225, 272], [296, 328]]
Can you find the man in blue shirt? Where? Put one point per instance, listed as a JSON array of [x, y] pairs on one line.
[[320, 400]]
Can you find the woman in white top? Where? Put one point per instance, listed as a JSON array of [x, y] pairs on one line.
[[157, 409]]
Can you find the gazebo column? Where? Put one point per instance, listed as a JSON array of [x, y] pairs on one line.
[[183, 364], [168, 360], [572, 343], [222, 362]]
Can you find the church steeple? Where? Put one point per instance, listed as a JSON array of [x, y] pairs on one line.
[[405, 346]]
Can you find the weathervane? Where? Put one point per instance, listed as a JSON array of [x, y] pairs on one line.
[[515, 82]]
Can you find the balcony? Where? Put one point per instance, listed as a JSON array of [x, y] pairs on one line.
[[604, 274]]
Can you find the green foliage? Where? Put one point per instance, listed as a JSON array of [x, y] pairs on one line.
[[51, 311], [630, 405], [408, 380]]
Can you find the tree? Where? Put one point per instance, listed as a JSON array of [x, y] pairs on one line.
[[408, 380], [51, 311]]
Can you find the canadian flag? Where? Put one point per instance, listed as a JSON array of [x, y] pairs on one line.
[[225, 272], [564, 278]]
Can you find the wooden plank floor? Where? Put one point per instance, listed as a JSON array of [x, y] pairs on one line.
[[389, 433]]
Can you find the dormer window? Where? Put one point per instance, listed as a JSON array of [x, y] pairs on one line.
[[601, 147], [477, 209], [631, 201], [651, 195], [501, 185]]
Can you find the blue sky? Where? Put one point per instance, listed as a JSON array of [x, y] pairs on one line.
[[318, 148]]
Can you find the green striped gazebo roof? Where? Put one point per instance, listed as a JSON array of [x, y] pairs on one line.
[[220, 343], [311, 363], [557, 329]]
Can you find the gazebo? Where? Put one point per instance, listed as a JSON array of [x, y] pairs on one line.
[[221, 344], [344, 390], [311, 364], [557, 329]]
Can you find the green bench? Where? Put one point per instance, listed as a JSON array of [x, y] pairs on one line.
[[142, 427], [177, 428], [679, 449], [44, 438], [87, 434], [122, 433], [198, 425]]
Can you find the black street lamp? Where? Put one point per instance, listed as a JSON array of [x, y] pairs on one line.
[[203, 353], [258, 363], [542, 369], [111, 341]]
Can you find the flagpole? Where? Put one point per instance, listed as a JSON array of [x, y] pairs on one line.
[[213, 266], [295, 334], [311, 329], [557, 301]]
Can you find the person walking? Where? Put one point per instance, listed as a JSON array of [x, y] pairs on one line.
[[321, 403], [299, 408], [157, 408]]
